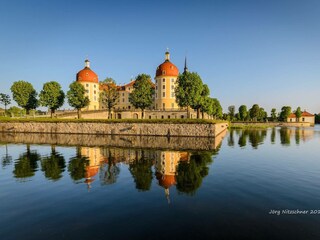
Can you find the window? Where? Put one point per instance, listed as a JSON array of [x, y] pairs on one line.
[[87, 85], [129, 89], [156, 95], [156, 87], [122, 99], [302, 119], [163, 94], [172, 105], [122, 94], [172, 87], [95, 98], [172, 80], [94, 86], [163, 86], [172, 94], [182, 116], [164, 80], [94, 91], [87, 91], [156, 105], [164, 105], [163, 72], [162, 118], [149, 117]]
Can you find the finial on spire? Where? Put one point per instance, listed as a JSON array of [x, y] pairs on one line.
[[167, 55], [185, 65], [87, 63]]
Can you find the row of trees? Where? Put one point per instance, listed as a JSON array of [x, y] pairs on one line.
[[257, 113]]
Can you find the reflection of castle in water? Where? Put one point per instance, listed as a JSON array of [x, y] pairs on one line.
[[166, 167]]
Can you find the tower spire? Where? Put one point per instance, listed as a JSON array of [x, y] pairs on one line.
[[185, 65], [167, 55]]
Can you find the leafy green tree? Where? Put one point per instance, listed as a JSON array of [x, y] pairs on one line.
[[190, 91], [141, 170], [254, 112], [204, 97], [317, 118], [243, 112], [77, 97], [212, 107], [52, 96], [231, 112], [5, 100], [285, 112], [142, 94], [274, 114], [15, 111], [284, 136], [109, 96], [25, 95], [298, 113], [27, 164], [53, 165], [108, 80], [262, 116]]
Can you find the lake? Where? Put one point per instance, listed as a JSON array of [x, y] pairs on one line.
[[250, 184]]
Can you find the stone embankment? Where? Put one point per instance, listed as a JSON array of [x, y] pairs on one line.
[[141, 129]]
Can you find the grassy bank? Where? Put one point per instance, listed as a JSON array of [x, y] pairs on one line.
[[251, 125], [58, 120]]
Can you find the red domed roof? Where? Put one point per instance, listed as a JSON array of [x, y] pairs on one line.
[[167, 68], [166, 181], [87, 75]]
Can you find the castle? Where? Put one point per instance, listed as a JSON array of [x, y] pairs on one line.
[[164, 105]]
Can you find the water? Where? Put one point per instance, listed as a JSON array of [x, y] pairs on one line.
[[98, 187]]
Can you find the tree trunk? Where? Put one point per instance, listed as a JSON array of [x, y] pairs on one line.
[[198, 113], [202, 113], [188, 112], [109, 113], [142, 114], [27, 111], [79, 113], [52, 112]]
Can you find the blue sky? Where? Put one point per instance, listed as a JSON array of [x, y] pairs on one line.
[[247, 51]]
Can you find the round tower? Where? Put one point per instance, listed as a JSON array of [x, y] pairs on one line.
[[165, 82], [89, 79]]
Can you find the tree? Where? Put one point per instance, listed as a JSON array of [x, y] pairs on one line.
[[317, 118], [298, 113], [189, 91], [254, 112], [285, 112], [77, 166], [142, 94], [52, 96], [212, 107], [109, 96], [77, 98], [203, 98], [231, 110], [25, 95], [262, 116], [273, 114], [5, 100], [108, 80], [243, 112]]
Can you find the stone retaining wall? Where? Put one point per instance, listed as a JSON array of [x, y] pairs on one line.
[[143, 129]]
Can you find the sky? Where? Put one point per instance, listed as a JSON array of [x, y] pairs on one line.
[[247, 51]]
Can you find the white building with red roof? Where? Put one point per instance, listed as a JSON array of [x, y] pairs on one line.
[[305, 117]]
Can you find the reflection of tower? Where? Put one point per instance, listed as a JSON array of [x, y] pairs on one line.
[[166, 167], [94, 156]]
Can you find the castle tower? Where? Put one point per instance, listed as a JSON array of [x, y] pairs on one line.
[[166, 77], [89, 79]]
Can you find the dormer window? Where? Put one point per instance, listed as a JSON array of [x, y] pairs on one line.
[[163, 72]]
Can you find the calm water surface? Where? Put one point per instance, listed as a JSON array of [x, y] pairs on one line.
[[71, 188]]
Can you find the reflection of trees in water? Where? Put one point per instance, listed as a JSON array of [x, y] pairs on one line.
[[190, 174], [297, 136], [77, 166], [6, 159], [231, 138], [273, 135], [109, 172], [284, 136], [53, 165], [255, 136], [141, 171], [27, 164]]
